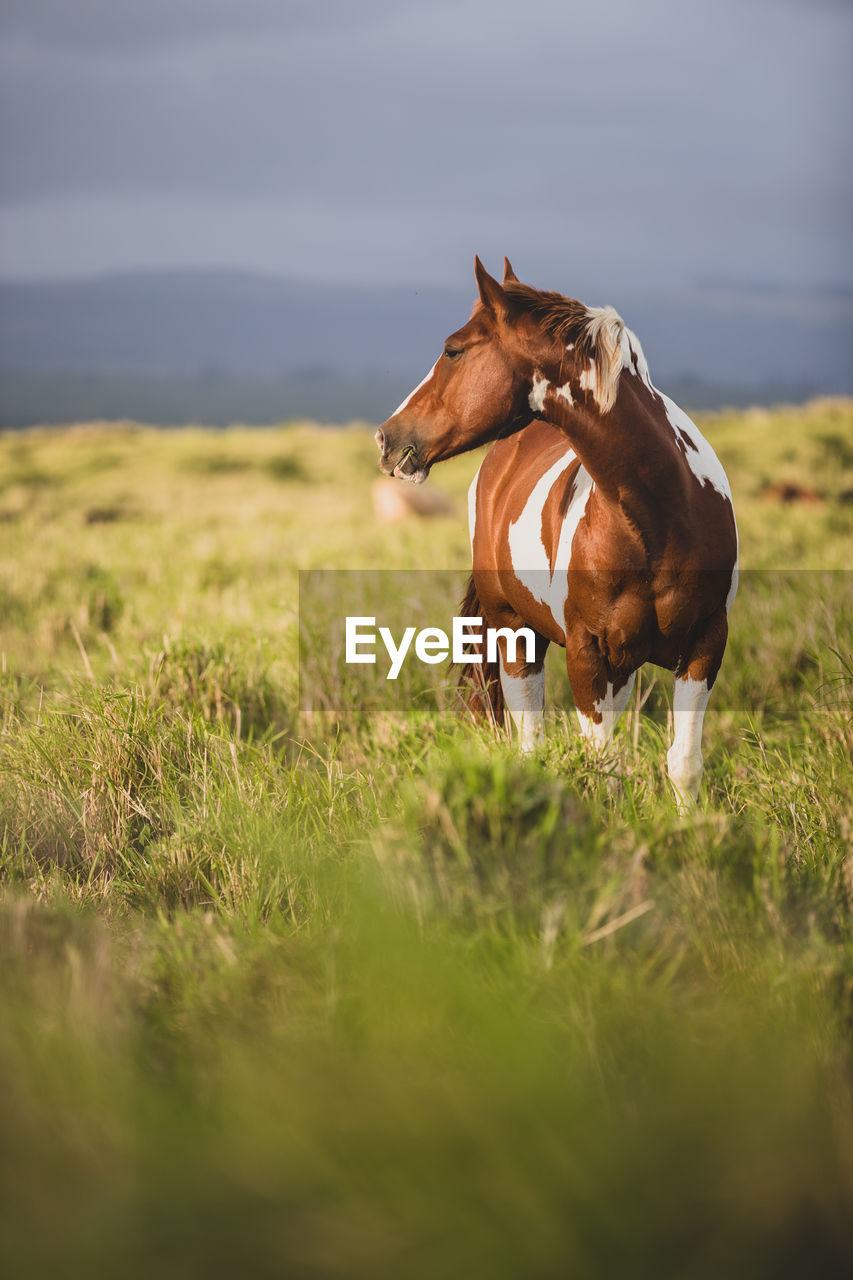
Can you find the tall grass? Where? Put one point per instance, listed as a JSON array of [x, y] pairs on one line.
[[365, 993]]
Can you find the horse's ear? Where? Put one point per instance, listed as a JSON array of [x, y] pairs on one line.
[[509, 274], [492, 295]]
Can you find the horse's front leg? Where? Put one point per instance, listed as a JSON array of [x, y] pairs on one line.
[[609, 708], [600, 694], [693, 685], [523, 687]]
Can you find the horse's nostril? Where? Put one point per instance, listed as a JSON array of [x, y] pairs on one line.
[[380, 437]]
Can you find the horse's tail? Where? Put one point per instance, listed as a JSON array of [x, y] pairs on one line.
[[484, 697]]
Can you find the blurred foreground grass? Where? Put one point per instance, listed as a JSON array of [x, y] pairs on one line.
[[378, 998]]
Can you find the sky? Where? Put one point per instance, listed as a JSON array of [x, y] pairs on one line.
[[632, 147]]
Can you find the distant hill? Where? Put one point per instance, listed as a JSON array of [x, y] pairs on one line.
[[169, 399], [222, 323], [220, 346]]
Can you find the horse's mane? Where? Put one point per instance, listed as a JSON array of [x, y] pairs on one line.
[[595, 332]]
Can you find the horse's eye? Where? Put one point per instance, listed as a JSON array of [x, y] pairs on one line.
[[453, 353]]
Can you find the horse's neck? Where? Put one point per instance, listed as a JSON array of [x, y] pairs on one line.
[[623, 450]]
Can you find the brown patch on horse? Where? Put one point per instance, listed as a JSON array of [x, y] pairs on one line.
[[556, 506]]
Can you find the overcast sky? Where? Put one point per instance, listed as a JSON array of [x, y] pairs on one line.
[[637, 145]]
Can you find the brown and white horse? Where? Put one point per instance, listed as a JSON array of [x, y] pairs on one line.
[[601, 517]]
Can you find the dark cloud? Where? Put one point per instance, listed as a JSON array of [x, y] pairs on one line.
[[629, 142], [134, 28]]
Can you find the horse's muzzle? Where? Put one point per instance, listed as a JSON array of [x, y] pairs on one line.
[[401, 463], [409, 469]]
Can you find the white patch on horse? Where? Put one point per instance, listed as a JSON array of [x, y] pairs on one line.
[[539, 391], [584, 487], [472, 508], [733, 585], [620, 699], [609, 708], [597, 732], [409, 397], [633, 358], [684, 758], [588, 380], [730, 598], [525, 701], [529, 555], [565, 391], [701, 459]]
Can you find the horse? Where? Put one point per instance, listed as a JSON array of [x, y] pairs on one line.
[[600, 518]]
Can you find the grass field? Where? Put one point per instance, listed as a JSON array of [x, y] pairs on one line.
[[366, 994]]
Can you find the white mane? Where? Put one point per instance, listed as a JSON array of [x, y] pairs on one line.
[[616, 348]]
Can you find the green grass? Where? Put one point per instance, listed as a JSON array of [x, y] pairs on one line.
[[365, 994]]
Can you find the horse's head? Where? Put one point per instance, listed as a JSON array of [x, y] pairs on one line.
[[477, 389]]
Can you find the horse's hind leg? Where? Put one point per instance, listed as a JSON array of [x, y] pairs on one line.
[[523, 686], [693, 685]]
